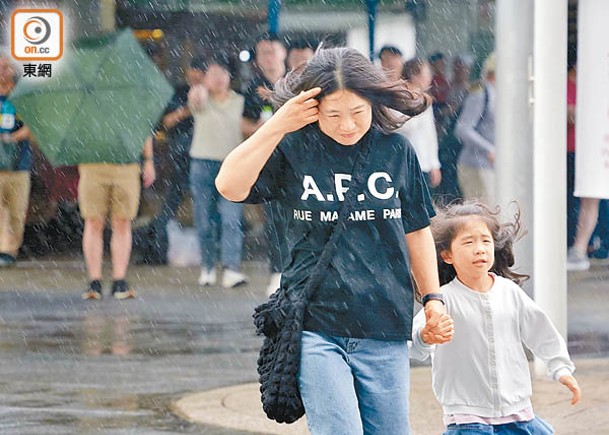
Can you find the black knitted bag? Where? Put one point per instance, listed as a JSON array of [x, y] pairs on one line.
[[281, 319], [281, 322]]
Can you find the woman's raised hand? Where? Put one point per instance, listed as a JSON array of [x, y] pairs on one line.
[[197, 96], [297, 112]]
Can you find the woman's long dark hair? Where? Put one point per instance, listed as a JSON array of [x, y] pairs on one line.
[[342, 68], [450, 219]]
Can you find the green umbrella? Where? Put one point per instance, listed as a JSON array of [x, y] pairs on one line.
[[100, 104]]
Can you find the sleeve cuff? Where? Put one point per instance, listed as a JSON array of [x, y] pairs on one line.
[[562, 372], [418, 341]]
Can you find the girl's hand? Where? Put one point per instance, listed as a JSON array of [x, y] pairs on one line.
[[570, 382], [441, 333], [297, 112]]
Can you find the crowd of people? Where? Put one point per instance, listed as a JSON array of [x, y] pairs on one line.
[[453, 140]]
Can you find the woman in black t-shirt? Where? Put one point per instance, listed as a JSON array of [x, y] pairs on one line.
[[353, 375]]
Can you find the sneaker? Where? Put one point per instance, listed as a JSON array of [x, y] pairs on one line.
[[274, 283], [231, 278], [576, 261], [94, 291], [207, 277], [7, 260], [122, 290]]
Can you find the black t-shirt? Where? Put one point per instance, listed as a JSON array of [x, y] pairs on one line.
[[179, 99], [367, 290], [254, 104]]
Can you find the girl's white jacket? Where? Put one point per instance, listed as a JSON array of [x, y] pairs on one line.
[[483, 370]]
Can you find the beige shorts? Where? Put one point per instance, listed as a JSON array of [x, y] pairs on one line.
[[106, 188], [14, 198]]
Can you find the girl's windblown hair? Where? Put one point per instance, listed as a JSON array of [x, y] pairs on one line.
[[449, 220], [335, 69]]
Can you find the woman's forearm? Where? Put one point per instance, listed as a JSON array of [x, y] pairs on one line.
[[241, 168], [423, 262]]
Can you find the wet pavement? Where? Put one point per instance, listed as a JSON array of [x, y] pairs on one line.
[[114, 367]]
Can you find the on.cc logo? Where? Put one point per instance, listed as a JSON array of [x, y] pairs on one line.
[[36, 30], [36, 34]]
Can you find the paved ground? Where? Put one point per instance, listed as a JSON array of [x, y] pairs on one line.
[[70, 366], [238, 406], [181, 359]]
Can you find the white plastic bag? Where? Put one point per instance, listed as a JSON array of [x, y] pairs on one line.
[[184, 247]]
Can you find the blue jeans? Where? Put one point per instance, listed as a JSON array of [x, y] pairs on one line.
[[354, 386], [533, 427], [210, 207]]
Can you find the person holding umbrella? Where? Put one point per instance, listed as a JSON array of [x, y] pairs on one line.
[[98, 111], [15, 163], [111, 189]]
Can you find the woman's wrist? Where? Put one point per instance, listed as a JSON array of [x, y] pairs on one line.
[[432, 297], [273, 128]]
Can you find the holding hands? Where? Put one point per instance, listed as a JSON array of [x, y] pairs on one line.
[[439, 328]]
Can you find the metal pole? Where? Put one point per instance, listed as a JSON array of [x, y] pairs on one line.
[[513, 133], [273, 16], [371, 6], [550, 139]]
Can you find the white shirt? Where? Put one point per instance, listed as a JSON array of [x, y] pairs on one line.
[[421, 133], [217, 129], [483, 370]]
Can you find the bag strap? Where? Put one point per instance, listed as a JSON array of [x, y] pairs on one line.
[[484, 111], [357, 181]]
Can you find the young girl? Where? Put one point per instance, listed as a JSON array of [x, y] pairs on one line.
[[353, 374], [482, 377]]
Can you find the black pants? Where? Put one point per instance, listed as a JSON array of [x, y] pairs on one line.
[[152, 241]]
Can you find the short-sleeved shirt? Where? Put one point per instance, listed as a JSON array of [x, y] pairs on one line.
[[367, 290], [255, 105], [181, 133], [10, 123]]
